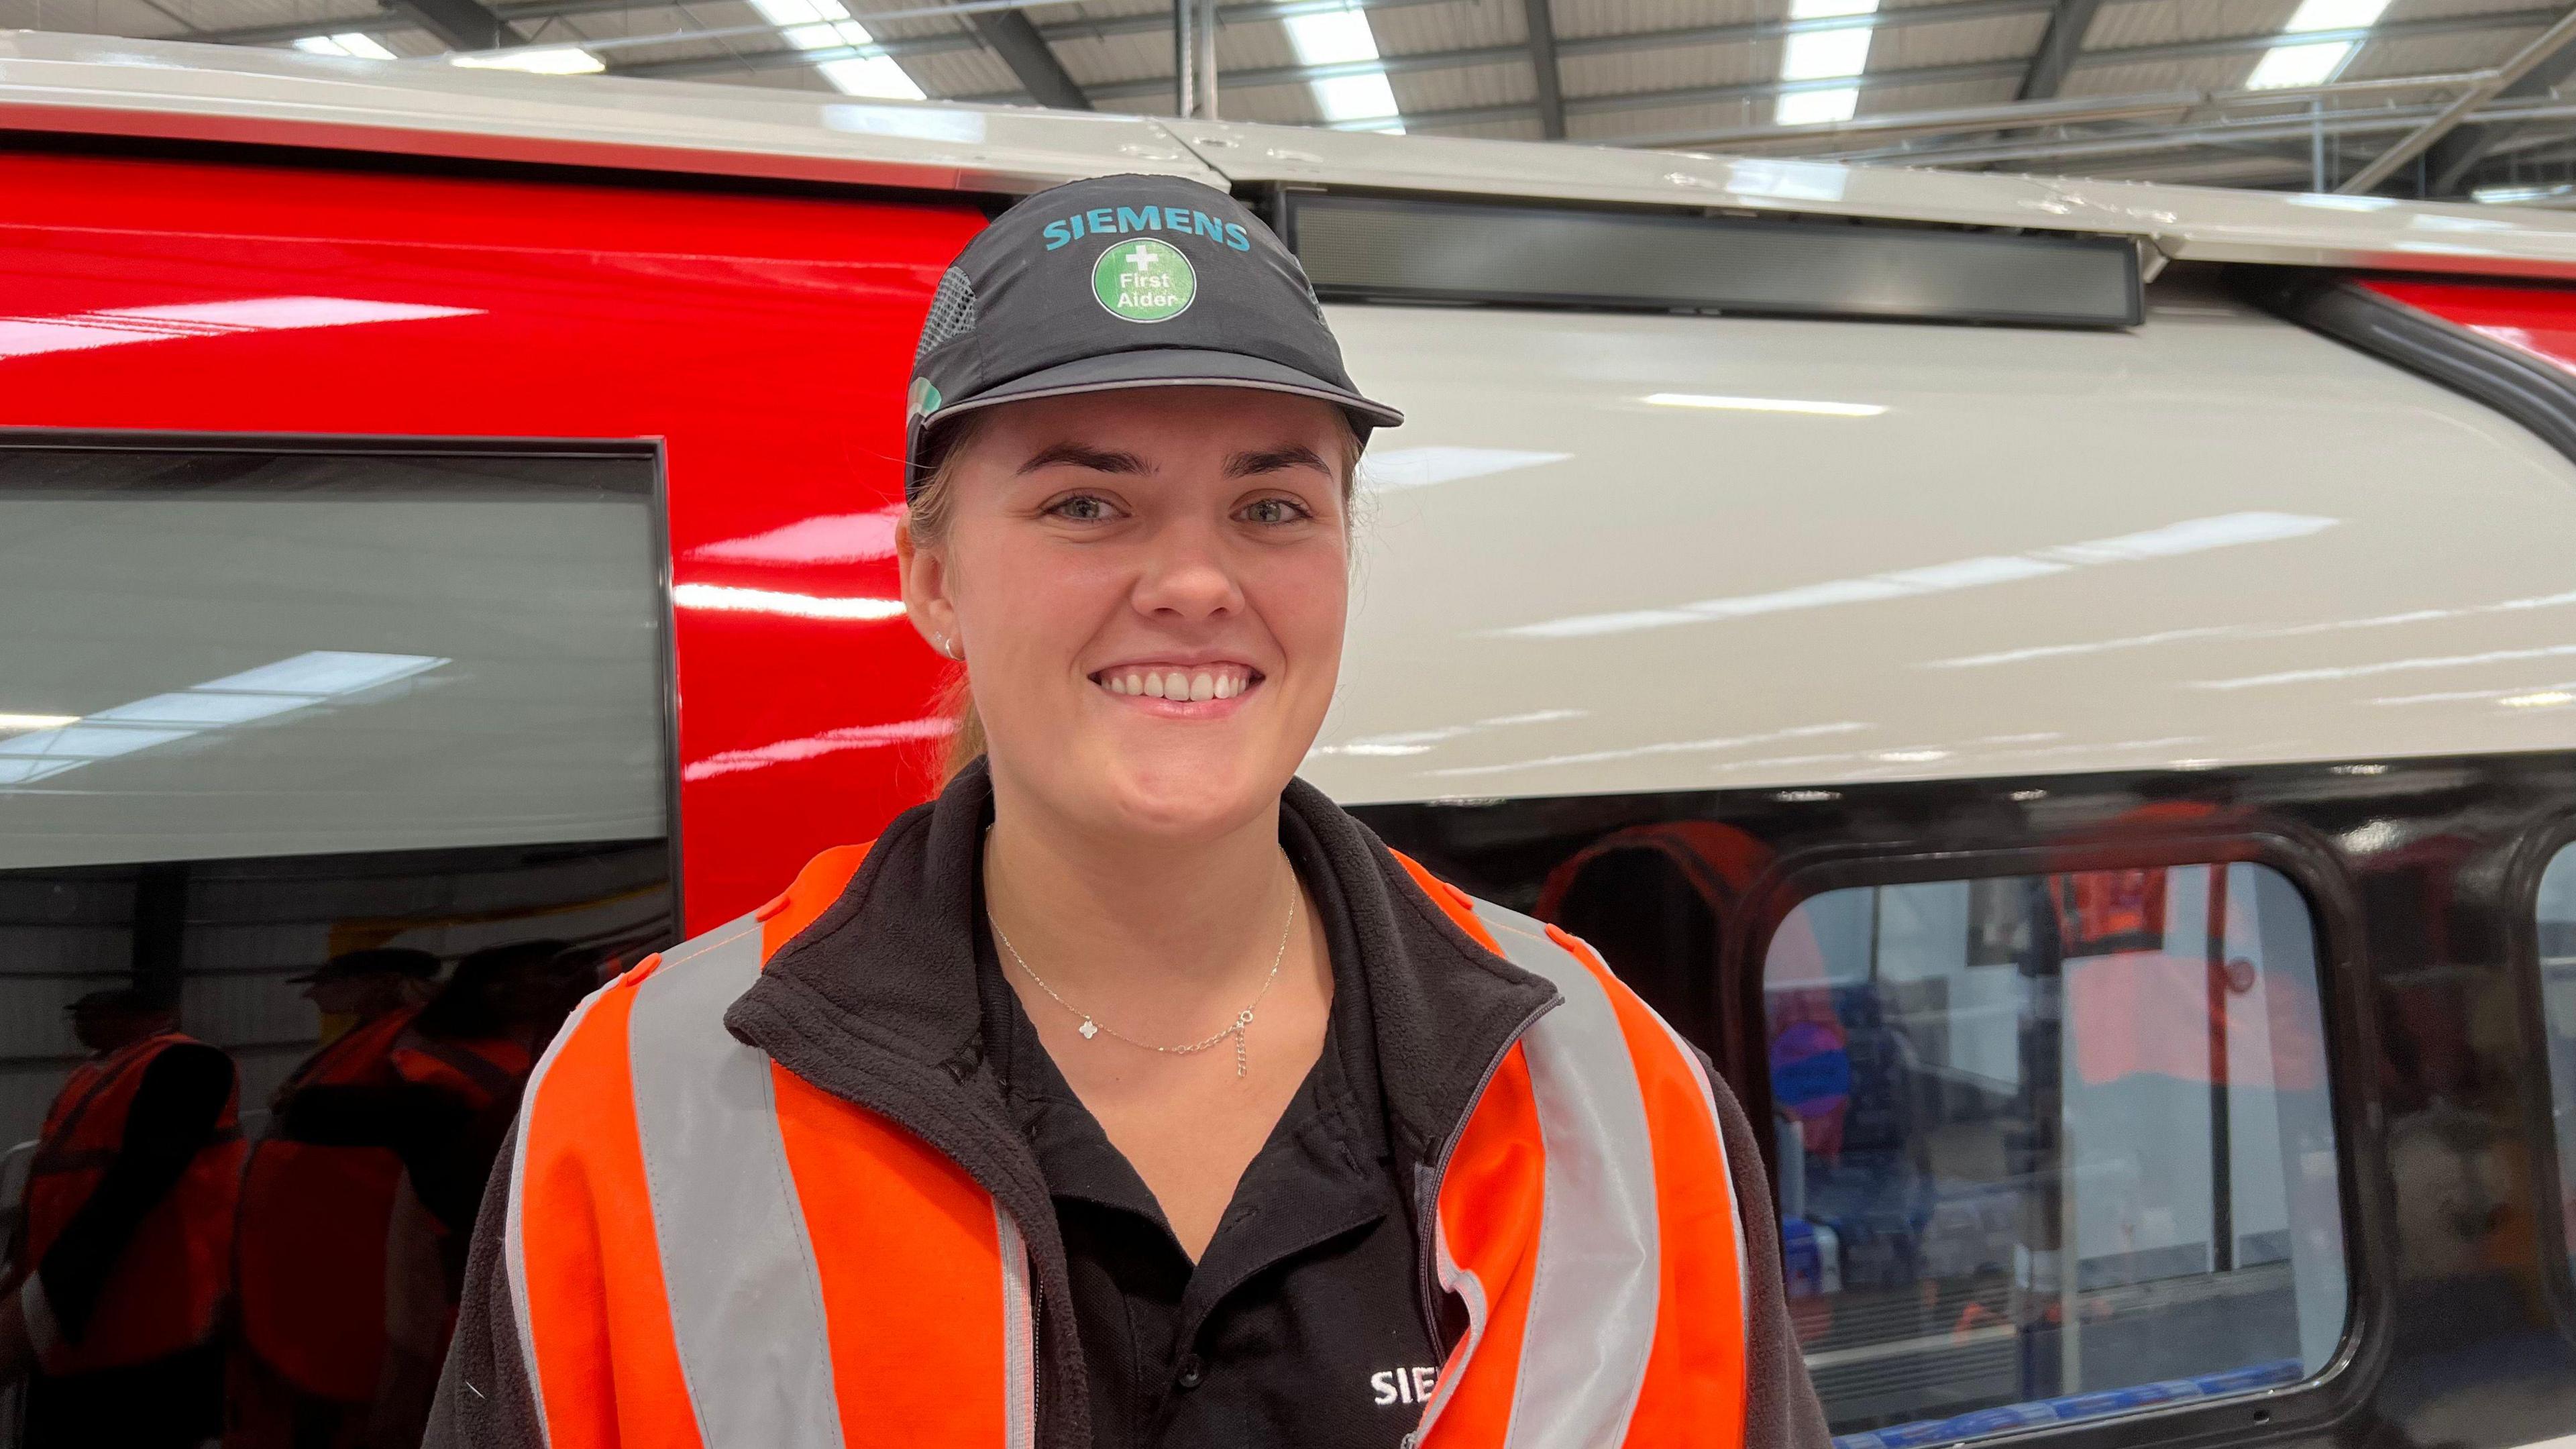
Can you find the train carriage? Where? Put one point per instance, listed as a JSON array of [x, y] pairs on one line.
[[2064, 689]]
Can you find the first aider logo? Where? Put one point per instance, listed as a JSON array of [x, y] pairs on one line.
[[1144, 281]]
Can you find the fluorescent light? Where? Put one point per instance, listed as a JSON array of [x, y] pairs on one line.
[[826, 25], [1765, 405], [536, 60], [355, 44], [1342, 37], [2314, 63], [2389, 666], [2190, 536], [1399, 468], [119, 326], [1811, 55], [830, 742], [727, 598], [829, 538], [305, 680], [2541, 699], [36, 721]]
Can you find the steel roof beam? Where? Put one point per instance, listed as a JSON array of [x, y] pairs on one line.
[[461, 24], [1011, 35], [1542, 56], [2058, 47], [2548, 43], [2457, 154]]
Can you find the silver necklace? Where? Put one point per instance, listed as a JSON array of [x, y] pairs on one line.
[[1092, 1027]]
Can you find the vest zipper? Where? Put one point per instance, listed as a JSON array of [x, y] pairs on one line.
[[1430, 1210]]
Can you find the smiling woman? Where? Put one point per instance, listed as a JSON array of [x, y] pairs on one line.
[[1245, 1123]]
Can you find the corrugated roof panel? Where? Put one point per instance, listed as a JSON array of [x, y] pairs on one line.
[[1897, 100], [1608, 127], [1448, 90], [1412, 29], [1527, 130], [1907, 46], [95, 17], [1627, 17], [976, 72], [2155, 22], [2224, 72], [1090, 60], [1668, 69], [2437, 54]]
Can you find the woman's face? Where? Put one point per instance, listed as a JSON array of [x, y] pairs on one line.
[[1148, 588]]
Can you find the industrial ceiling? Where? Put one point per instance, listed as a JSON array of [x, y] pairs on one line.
[[2450, 98]]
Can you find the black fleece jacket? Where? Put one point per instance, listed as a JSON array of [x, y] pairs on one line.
[[876, 1002]]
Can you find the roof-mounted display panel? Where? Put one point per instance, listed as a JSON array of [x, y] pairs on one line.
[[1411, 249]]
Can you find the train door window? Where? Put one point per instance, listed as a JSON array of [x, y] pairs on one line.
[[2052, 1146], [2558, 1019], [331, 777]]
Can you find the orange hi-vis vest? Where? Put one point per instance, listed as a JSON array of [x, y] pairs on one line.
[[312, 1239], [165, 1292], [703, 1249]]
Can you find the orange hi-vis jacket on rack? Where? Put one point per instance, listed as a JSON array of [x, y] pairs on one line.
[[699, 1246], [166, 1290]]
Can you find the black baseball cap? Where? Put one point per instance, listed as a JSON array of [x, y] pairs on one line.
[[1122, 282]]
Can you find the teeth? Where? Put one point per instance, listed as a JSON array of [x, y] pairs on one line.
[[1177, 685]]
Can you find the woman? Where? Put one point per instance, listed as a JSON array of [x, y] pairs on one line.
[[1129, 1092]]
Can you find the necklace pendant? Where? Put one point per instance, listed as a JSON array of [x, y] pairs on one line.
[[1242, 1059], [1089, 1029]]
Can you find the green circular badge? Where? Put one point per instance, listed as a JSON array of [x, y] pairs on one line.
[[1144, 280]]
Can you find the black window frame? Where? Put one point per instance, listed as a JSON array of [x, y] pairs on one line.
[[2364, 1186], [649, 450], [2556, 1228]]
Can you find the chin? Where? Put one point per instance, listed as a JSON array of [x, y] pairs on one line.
[[1183, 799]]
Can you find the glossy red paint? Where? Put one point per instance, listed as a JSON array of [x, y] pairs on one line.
[[2540, 320], [766, 340]]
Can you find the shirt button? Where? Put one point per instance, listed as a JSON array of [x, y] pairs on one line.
[[1192, 1374]]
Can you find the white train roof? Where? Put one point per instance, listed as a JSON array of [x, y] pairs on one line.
[[96, 85]]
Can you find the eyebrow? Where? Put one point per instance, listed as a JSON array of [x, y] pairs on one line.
[[1275, 460], [1075, 455]]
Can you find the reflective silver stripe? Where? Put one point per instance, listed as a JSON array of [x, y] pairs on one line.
[[746, 1297], [1471, 1292], [1595, 1288], [514, 1252], [1019, 1355]]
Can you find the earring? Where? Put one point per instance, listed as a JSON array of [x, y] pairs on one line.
[[940, 641]]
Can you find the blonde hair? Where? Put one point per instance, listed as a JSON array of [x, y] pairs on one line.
[[929, 515]]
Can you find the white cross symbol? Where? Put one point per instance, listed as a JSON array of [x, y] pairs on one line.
[[1145, 255]]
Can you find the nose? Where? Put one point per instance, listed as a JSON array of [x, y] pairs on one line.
[[1188, 574]]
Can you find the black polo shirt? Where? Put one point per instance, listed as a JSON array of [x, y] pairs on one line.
[[1302, 1323]]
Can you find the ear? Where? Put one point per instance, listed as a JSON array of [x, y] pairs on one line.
[[925, 580]]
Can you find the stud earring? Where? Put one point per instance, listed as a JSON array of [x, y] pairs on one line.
[[941, 642]]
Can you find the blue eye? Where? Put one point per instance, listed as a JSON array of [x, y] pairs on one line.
[[1276, 510]]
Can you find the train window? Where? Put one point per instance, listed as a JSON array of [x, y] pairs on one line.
[[330, 779], [2052, 1147], [2558, 1019]]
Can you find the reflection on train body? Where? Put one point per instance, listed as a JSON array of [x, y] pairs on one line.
[[326, 845]]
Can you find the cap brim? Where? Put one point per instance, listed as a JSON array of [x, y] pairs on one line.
[[1170, 367]]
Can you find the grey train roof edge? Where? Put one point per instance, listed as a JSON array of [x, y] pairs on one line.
[[100, 85]]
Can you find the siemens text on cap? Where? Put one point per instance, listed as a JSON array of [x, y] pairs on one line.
[[1119, 220]]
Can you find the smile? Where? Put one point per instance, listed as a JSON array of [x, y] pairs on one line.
[[1177, 682]]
